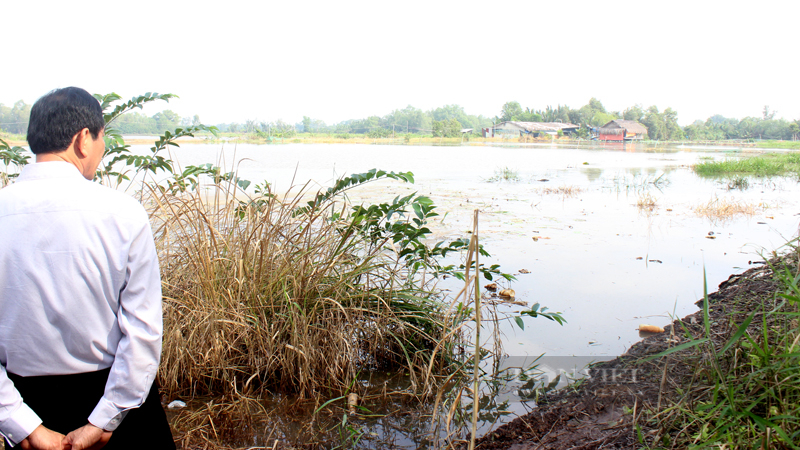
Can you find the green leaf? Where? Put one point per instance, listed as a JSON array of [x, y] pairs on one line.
[[519, 321], [739, 332], [683, 346]]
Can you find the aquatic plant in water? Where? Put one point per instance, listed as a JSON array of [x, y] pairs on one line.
[[504, 174]]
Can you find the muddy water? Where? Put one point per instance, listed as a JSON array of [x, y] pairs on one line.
[[594, 254]]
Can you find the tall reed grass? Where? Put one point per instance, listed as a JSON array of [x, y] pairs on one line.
[[273, 294]]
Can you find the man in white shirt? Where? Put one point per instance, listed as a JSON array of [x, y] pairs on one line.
[[80, 295]]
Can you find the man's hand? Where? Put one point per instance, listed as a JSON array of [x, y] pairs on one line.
[[86, 437], [42, 438]]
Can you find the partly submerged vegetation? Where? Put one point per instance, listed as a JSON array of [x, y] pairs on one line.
[[768, 165], [725, 209], [290, 296], [646, 201], [504, 174], [564, 191]]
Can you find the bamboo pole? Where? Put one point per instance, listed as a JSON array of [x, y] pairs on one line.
[[476, 362]]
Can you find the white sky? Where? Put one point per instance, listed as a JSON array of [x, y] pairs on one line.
[[336, 60]]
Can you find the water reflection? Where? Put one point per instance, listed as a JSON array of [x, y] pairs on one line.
[[592, 173]]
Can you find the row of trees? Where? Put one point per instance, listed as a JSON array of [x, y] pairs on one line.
[[14, 119], [407, 120], [136, 123], [449, 120], [765, 127]]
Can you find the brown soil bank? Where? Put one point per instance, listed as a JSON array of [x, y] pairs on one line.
[[630, 403]]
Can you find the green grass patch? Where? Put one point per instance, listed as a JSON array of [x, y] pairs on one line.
[[504, 174], [769, 165], [778, 144]]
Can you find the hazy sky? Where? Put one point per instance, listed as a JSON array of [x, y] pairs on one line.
[[335, 60]]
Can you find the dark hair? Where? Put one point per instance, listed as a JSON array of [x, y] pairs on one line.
[[61, 114]]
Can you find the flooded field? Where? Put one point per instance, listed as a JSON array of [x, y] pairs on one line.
[[612, 237]]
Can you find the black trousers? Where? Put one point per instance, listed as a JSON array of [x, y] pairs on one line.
[[64, 403]]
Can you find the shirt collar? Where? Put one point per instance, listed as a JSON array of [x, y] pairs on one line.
[[50, 169]]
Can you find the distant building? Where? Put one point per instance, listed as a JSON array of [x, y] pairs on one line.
[[622, 130], [532, 128]]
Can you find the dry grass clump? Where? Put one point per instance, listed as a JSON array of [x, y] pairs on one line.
[[726, 209], [221, 424], [564, 191], [263, 295], [646, 201]]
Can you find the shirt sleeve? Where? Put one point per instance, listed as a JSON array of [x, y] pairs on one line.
[[140, 321], [17, 420]]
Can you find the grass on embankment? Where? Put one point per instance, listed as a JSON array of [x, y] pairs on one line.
[[743, 387], [768, 165]]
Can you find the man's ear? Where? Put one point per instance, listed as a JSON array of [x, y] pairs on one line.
[[81, 141]]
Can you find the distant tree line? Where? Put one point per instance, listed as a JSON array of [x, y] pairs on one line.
[[450, 120], [661, 125], [14, 119], [447, 120], [765, 127]]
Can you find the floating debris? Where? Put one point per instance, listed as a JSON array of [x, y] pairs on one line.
[[176, 404], [650, 328], [507, 293], [491, 286], [507, 301], [711, 237], [524, 271], [655, 261], [639, 258]]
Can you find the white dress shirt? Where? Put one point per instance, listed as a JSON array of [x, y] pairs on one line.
[[80, 291]]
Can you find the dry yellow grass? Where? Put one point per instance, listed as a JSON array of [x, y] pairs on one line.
[[565, 191], [723, 209], [263, 298], [646, 201]]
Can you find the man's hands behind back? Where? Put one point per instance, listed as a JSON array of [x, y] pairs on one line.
[[42, 438], [86, 437]]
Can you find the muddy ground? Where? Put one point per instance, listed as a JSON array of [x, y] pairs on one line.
[[604, 410]]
